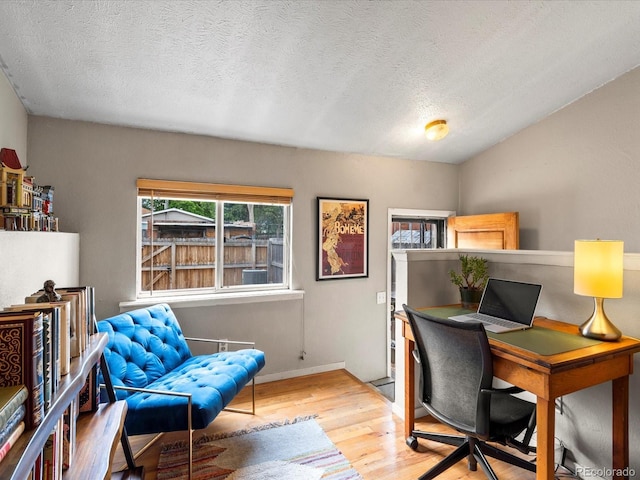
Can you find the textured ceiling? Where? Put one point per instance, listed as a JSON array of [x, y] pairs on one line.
[[350, 76]]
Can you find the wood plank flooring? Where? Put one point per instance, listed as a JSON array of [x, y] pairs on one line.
[[354, 415]]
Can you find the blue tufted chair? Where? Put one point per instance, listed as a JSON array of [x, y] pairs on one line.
[[150, 365]]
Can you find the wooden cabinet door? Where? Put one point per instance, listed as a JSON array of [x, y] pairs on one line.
[[493, 231]]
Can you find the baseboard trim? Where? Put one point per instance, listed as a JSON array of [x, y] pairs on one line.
[[272, 377], [398, 410]]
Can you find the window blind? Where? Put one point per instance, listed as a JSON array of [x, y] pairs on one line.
[[212, 191]]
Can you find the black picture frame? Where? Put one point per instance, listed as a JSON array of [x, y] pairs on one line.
[[342, 238]]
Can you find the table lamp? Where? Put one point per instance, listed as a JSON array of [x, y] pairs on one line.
[[597, 273]]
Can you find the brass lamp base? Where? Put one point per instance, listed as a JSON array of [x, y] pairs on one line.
[[599, 326]]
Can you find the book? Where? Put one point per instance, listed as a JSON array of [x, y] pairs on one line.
[[85, 309], [81, 319], [36, 471], [13, 438], [89, 396], [64, 328], [15, 419], [21, 341], [10, 399], [69, 435], [52, 456], [58, 459], [74, 343], [51, 348], [51, 354], [84, 297], [72, 315]]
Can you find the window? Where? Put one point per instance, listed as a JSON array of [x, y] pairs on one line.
[[209, 238], [409, 232], [417, 233]]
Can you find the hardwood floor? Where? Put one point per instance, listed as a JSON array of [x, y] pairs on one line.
[[355, 416]]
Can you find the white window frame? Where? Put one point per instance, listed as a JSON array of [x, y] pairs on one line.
[[220, 194]]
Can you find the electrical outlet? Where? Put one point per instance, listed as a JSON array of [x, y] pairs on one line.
[[223, 346], [381, 297]]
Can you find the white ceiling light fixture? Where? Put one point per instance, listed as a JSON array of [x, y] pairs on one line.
[[436, 130]]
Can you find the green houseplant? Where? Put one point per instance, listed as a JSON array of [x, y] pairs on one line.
[[471, 280]]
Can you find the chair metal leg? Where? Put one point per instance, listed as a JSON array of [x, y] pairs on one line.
[[159, 435], [458, 454], [253, 401], [190, 429], [482, 460], [455, 440], [126, 449], [144, 448], [476, 452], [111, 394], [507, 457], [472, 461]]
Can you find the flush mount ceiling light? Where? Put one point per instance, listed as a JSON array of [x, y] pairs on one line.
[[436, 130]]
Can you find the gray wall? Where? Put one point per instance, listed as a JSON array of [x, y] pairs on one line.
[[94, 168], [574, 175], [13, 121]]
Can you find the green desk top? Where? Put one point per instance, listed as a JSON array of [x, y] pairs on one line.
[[539, 340]]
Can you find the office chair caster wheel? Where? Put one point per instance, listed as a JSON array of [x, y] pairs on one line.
[[412, 442]]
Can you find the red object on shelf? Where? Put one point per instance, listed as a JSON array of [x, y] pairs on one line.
[[9, 158]]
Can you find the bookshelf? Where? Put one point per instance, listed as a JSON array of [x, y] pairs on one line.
[[109, 419]]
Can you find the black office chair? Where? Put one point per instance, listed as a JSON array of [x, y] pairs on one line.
[[457, 374]]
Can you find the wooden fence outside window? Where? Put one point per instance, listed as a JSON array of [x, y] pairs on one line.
[[187, 263]]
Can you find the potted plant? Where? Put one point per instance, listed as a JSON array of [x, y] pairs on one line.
[[471, 279]]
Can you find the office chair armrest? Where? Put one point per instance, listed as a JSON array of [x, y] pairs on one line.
[[416, 355], [502, 391]]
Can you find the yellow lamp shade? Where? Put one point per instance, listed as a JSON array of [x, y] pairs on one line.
[[598, 268]]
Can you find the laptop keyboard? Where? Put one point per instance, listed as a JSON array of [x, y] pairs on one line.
[[494, 320]]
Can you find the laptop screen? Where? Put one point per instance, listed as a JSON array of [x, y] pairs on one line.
[[515, 301]]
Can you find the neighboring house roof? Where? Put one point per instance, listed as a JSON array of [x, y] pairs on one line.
[[178, 216]]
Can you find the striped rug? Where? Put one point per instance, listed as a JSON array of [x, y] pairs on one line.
[[290, 450]]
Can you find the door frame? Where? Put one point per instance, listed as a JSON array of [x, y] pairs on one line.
[[403, 212]]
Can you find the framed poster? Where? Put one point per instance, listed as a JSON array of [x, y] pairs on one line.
[[343, 238]]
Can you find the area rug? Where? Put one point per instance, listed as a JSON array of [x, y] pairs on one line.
[[289, 450]]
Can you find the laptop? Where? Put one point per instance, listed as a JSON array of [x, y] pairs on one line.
[[505, 306]]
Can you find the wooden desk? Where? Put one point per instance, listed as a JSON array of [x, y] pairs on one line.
[[549, 377]]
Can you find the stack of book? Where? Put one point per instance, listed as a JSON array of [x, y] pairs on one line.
[[56, 329], [22, 343], [81, 314], [37, 342], [12, 416], [81, 325]]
